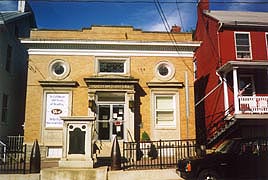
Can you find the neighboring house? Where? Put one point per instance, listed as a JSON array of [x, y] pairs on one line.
[[13, 69], [129, 80], [231, 86]]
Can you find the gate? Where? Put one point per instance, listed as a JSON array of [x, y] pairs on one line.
[[156, 154]]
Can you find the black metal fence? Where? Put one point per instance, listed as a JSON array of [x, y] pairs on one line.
[[156, 154], [13, 161]]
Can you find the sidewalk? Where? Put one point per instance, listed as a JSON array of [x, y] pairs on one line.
[[159, 174], [95, 174]]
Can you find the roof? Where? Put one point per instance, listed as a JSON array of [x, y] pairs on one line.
[[240, 18], [7, 17]]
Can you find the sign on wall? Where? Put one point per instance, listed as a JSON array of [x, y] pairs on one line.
[[57, 106]]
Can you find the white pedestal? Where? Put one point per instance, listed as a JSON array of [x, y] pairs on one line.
[[77, 154]]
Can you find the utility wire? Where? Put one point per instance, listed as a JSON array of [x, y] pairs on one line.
[[179, 12], [151, 1], [167, 27]]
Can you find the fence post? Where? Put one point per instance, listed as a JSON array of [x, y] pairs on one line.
[[188, 148], [116, 155], [161, 154], [35, 158]]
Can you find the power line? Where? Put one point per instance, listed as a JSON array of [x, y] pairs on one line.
[[150, 1], [167, 27], [177, 5]]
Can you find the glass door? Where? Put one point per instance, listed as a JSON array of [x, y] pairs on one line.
[[110, 121]]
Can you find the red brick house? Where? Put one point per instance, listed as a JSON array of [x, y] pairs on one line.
[[231, 72]]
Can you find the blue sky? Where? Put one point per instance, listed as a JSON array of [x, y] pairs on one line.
[[77, 15]]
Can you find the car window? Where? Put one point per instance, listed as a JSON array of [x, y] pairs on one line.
[[225, 147]]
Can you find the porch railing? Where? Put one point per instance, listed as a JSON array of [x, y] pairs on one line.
[[157, 154], [253, 104]]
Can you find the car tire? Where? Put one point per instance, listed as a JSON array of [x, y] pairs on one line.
[[208, 175]]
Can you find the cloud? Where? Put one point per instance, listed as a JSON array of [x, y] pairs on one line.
[[182, 14], [8, 5]]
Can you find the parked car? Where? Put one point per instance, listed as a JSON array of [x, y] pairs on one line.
[[233, 159]]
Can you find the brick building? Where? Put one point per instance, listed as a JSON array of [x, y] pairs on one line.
[[231, 74], [130, 81]]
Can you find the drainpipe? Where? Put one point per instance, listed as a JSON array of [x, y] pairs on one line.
[[219, 45], [210, 92], [187, 103]]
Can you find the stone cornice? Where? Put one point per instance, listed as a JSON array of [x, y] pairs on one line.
[[59, 83]]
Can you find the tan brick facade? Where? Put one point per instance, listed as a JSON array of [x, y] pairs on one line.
[[144, 50]]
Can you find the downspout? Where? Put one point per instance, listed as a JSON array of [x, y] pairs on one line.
[[219, 45], [210, 92], [187, 103], [225, 89]]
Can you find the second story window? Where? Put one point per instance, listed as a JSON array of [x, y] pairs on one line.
[[4, 108], [112, 65], [243, 49], [8, 58]]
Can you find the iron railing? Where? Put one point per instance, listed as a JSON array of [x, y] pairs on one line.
[[156, 154], [14, 162]]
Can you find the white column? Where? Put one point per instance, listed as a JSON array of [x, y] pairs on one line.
[[236, 102], [21, 5], [225, 93]]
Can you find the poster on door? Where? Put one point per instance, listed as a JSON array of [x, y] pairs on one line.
[[57, 106]]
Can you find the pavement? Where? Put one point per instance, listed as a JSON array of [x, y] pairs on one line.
[[156, 174]]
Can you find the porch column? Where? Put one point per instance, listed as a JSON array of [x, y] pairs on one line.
[[225, 93], [236, 102]]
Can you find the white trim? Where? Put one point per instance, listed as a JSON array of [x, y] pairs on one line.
[[250, 48], [125, 60], [78, 52], [169, 66], [191, 44]]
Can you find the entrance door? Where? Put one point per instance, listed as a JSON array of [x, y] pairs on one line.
[[110, 115]]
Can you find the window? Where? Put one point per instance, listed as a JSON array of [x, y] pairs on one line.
[[4, 108], [164, 70], [164, 110], [59, 69], [243, 49], [112, 65], [8, 58]]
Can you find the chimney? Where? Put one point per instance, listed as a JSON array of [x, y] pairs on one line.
[[203, 5], [21, 5], [175, 29]]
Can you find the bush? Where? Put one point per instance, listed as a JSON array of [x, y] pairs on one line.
[[145, 136]]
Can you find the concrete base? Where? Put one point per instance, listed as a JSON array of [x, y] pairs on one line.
[[75, 164], [74, 174]]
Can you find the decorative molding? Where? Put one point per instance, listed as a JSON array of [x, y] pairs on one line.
[[111, 82], [165, 84], [110, 48], [59, 83]]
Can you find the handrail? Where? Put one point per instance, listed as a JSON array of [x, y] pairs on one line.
[[4, 146]]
